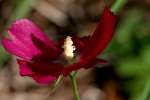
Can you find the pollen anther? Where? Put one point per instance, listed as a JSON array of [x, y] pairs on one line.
[[69, 48]]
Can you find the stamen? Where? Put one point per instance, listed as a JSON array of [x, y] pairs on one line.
[[69, 48]]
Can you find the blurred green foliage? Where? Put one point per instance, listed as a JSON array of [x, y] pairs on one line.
[[131, 46], [22, 9], [4, 57]]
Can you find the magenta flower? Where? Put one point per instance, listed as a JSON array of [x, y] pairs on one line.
[[39, 57]]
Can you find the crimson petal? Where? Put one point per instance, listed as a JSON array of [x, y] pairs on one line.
[[80, 42], [101, 37], [96, 44], [41, 73], [46, 68], [83, 64], [42, 79], [24, 69]]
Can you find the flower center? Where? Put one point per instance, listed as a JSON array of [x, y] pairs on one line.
[[69, 48]]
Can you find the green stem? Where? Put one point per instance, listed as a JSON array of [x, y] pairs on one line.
[[75, 87], [117, 6], [56, 84]]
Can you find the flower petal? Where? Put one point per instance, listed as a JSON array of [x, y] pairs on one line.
[[96, 44], [83, 64], [80, 42], [101, 37], [42, 79], [22, 32], [47, 52], [15, 49], [24, 68], [46, 68], [101, 61], [43, 74], [42, 68]]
